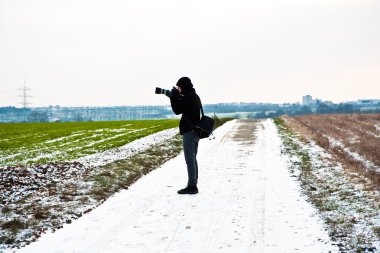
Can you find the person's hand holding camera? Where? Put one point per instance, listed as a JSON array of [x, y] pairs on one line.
[[175, 91]]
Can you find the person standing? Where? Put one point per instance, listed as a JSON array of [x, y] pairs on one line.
[[185, 101]]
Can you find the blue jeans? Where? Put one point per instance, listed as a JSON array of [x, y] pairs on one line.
[[190, 149]]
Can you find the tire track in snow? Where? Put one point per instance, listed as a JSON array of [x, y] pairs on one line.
[[211, 152], [219, 221]]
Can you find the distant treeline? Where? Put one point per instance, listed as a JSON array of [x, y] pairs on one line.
[[260, 111], [78, 114], [236, 110]]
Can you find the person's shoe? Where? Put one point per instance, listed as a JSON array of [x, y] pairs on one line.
[[189, 190]]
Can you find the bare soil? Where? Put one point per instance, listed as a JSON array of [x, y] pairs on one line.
[[343, 136]]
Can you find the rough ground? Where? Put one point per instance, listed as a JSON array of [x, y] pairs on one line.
[[35, 198], [248, 202]]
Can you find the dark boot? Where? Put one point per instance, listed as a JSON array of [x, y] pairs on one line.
[[189, 190]]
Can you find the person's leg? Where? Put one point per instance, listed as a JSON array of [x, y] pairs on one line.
[[190, 144], [196, 141]]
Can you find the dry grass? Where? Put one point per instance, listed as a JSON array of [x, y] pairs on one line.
[[359, 133], [348, 202]]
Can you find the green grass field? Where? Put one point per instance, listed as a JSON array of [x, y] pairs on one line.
[[44, 142]]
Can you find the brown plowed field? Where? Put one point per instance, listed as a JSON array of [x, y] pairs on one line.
[[353, 139]]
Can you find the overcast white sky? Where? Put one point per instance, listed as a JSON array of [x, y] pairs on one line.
[[115, 52]]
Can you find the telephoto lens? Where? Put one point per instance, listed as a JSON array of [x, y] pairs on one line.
[[163, 91]]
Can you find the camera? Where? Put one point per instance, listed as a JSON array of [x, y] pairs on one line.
[[163, 91]]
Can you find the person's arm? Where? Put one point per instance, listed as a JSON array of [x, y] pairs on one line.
[[177, 103]]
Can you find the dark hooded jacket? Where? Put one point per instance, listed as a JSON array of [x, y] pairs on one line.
[[188, 104]]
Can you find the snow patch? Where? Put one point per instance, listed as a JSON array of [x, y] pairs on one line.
[[127, 150], [354, 155], [66, 137]]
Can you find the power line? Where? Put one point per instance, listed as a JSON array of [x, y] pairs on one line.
[[25, 96]]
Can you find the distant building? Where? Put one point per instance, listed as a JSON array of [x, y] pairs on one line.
[[307, 100], [369, 101]]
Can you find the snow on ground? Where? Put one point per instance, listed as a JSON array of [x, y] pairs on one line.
[[367, 163], [26, 182], [248, 202], [77, 133], [127, 150]]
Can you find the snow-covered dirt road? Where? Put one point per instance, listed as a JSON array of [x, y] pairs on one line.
[[248, 202]]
